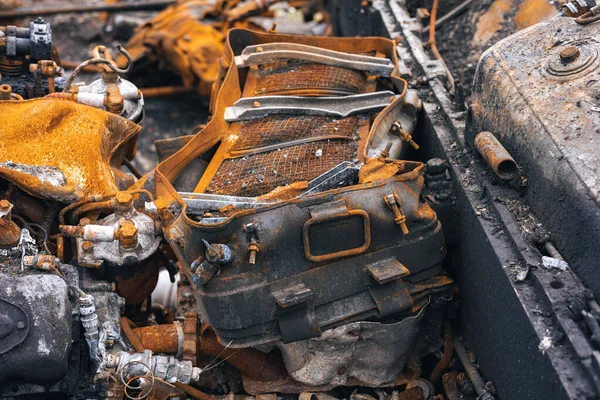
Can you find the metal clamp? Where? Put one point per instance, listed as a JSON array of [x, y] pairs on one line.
[[332, 212]]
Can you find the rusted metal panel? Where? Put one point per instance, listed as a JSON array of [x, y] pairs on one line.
[[61, 150]]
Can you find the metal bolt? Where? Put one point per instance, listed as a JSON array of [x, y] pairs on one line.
[[20, 325], [124, 202], [259, 49], [569, 53], [436, 165], [87, 246], [256, 104], [212, 252], [4, 205]]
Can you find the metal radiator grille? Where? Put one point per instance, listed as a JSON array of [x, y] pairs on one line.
[[260, 173], [294, 75], [280, 129]]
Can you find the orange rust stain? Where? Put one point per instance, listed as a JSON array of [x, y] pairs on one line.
[[491, 21], [75, 140], [531, 12]]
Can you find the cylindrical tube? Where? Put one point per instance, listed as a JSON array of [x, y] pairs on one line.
[[5, 92], [496, 155], [163, 339]]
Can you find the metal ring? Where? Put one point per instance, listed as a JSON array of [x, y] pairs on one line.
[[180, 338]]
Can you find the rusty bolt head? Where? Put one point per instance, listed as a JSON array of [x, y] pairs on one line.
[[436, 166], [114, 103], [259, 49], [4, 205], [256, 104], [85, 221], [569, 53], [87, 246], [212, 252], [128, 234], [112, 88], [124, 202]]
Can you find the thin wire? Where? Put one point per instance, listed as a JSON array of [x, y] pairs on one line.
[[223, 360], [217, 357], [45, 235]]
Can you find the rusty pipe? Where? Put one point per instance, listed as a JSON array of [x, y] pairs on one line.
[[496, 156], [252, 363], [446, 357], [162, 339], [5, 92]]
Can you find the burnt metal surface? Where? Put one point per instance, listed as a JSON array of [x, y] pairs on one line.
[[542, 105], [497, 263], [36, 328]]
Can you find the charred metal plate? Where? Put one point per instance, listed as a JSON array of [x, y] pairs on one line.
[[14, 326], [387, 270]]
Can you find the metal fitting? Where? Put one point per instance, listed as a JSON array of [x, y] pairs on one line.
[[393, 202], [569, 53], [127, 234], [406, 137], [253, 247], [44, 262], [167, 368], [496, 156], [5, 92], [114, 100], [123, 202]]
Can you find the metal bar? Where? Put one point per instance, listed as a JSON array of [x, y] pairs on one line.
[[469, 367], [81, 8], [259, 107], [268, 52], [198, 203]]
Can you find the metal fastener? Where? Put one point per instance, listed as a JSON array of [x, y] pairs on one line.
[[569, 53]]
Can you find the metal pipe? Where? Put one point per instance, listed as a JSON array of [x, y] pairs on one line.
[[81, 8], [252, 363], [471, 370], [496, 156]]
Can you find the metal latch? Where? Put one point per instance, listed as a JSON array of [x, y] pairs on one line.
[[391, 294], [393, 202]]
